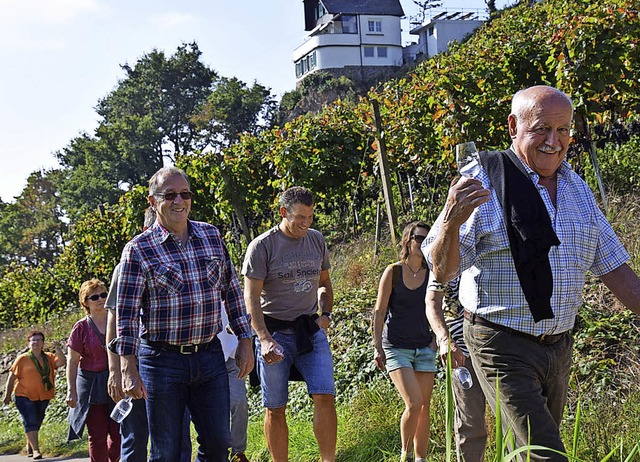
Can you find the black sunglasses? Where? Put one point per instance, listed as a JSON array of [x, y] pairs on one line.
[[171, 196], [95, 297], [418, 237]]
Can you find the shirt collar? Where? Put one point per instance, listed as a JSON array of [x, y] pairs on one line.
[[563, 169], [162, 234]]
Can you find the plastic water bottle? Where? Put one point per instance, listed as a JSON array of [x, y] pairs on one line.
[[122, 409], [471, 170], [463, 375], [278, 350]]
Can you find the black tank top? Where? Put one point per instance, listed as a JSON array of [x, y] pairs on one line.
[[406, 325]]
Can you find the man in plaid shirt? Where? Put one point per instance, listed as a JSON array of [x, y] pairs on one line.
[[175, 279]]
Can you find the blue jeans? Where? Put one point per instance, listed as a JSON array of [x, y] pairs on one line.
[[185, 447], [239, 408], [135, 435], [195, 381], [32, 412]]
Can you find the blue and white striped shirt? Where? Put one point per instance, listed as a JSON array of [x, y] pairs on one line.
[[489, 284]]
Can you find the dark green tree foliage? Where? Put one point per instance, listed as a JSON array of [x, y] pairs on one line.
[[32, 229], [148, 116], [152, 108], [590, 49], [30, 293], [91, 176], [233, 109], [9, 234]]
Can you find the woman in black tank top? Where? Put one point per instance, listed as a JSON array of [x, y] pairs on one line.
[[403, 342]]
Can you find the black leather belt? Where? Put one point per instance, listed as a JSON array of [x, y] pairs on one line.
[[182, 349], [544, 339]]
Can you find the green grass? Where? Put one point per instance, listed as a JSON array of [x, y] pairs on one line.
[[603, 428], [604, 377]]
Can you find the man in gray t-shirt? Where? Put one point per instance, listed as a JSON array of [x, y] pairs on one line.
[[286, 286]]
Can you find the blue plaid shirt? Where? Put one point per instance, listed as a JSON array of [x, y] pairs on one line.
[[489, 285], [174, 293]]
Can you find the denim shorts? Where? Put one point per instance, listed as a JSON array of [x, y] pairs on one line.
[[418, 359], [316, 367], [32, 412]]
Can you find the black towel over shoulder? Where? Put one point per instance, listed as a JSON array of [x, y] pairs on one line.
[[529, 228]]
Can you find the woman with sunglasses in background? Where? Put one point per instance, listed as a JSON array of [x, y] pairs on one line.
[[403, 342], [32, 379], [87, 373]]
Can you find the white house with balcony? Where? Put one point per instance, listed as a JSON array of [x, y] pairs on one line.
[[352, 35], [441, 27]]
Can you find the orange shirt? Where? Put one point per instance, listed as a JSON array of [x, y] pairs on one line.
[[28, 379]]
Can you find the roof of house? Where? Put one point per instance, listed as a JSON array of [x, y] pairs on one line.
[[335, 7], [382, 7]]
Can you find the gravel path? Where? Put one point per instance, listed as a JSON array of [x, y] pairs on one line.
[[24, 458]]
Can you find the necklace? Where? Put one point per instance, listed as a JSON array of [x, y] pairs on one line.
[[415, 273]]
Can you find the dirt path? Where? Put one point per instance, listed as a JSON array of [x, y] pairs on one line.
[[23, 458]]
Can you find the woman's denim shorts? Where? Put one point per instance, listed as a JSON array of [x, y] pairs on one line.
[[418, 359]]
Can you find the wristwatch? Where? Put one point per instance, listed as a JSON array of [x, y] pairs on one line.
[[327, 314]]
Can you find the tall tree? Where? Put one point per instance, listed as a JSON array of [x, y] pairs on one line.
[[9, 234], [156, 102], [147, 117], [233, 109], [31, 228], [92, 175]]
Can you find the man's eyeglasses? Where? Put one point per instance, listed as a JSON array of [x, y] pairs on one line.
[[418, 237], [171, 196], [95, 297]]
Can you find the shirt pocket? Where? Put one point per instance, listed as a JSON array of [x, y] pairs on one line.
[[213, 271], [169, 278], [580, 243]]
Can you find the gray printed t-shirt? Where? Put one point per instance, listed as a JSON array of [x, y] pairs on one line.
[[290, 269]]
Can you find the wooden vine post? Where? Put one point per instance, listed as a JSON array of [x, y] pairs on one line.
[[384, 171]]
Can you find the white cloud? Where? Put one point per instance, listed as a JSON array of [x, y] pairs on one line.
[[172, 20]]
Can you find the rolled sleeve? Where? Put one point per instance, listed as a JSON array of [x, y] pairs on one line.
[[610, 253]]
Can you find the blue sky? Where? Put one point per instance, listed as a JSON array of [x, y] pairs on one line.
[[59, 57]]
